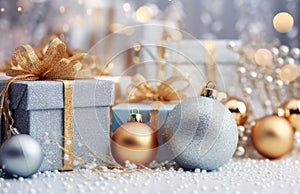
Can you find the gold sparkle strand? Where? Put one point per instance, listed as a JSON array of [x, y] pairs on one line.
[[68, 126]]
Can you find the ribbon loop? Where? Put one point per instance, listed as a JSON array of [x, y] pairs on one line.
[[48, 63], [142, 90], [52, 66]]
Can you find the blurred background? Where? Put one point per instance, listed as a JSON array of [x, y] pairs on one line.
[[84, 22]]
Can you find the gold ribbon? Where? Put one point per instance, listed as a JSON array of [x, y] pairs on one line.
[[154, 115], [29, 64], [210, 60], [165, 92]]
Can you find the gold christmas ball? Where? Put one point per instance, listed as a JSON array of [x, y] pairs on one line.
[[239, 110], [292, 112], [272, 136], [136, 142]]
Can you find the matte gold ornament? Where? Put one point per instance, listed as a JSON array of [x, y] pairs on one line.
[[272, 136], [292, 112], [134, 141], [239, 110]]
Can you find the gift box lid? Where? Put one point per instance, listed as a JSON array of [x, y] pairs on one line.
[[120, 112], [37, 95]]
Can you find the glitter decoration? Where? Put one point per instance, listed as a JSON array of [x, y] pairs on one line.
[[200, 132], [266, 87], [270, 85]]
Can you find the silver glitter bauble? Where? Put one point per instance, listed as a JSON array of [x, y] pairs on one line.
[[200, 132], [21, 155]]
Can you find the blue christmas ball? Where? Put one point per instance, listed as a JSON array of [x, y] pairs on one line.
[[200, 132]]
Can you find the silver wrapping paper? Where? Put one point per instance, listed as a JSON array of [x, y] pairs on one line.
[[37, 108]]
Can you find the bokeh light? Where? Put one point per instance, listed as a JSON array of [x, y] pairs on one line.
[[263, 57], [283, 22], [288, 73], [126, 7], [144, 14], [62, 9]]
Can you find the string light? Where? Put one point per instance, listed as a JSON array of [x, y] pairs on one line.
[[19, 9], [2, 9]]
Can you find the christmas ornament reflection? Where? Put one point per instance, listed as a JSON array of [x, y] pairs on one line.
[[291, 109], [272, 136], [134, 141], [239, 110], [201, 132]]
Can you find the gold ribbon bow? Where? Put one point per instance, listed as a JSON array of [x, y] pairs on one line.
[[144, 91], [48, 63]]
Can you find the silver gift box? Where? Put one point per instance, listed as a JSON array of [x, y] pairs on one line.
[[190, 57], [37, 110]]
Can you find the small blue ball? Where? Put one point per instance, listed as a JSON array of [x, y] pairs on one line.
[[200, 132], [21, 155]]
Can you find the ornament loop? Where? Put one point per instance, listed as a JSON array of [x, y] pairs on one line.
[[135, 117], [209, 90], [137, 109], [14, 131], [210, 84]]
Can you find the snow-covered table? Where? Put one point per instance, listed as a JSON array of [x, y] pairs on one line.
[[238, 176]]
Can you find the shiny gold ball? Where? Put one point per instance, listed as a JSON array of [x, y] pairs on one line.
[[135, 142], [239, 110], [292, 112], [272, 136]]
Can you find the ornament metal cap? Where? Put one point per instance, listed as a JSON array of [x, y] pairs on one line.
[[14, 131], [135, 117], [280, 112], [209, 90]]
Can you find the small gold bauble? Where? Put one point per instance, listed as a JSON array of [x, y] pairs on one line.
[[136, 142], [292, 112], [272, 136], [239, 110]]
